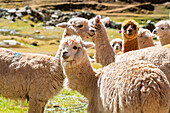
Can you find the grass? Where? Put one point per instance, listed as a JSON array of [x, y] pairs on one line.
[[65, 102]]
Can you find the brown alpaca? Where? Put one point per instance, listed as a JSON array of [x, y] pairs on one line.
[[129, 34]]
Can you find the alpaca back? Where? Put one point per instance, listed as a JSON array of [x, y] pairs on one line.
[[134, 87], [159, 56], [19, 71]]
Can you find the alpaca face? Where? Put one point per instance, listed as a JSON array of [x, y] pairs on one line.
[[97, 28], [162, 28], [73, 51], [129, 29], [116, 45], [76, 26]]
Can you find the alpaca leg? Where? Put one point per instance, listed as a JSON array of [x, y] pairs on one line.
[[36, 106]]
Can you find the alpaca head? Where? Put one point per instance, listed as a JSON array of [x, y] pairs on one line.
[[144, 34], [73, 51], [97, 28], [116, 45], [162, 28], [129, 29], [76, 26]]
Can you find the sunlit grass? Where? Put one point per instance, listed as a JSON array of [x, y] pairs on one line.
[[65, 102]]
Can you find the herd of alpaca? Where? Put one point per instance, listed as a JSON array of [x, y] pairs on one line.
[[134, 82]]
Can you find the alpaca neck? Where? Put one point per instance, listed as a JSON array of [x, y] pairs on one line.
[[58, 67], [165, 39], [82, 78], [129, 45], [104, 52]]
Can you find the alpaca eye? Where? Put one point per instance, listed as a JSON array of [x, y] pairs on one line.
[[80, 26], [113, 45], [75, 47], [162, 28], [121, 45], [134, 27], [124, 27]]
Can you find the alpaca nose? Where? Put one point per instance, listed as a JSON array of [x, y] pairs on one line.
[[130, 30], [64, 55], [91, 32], [154, 31]]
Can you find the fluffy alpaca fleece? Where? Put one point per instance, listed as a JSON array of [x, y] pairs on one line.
[[130, 35], [163, 31], [145, 38], [104, 52], [75, 26], [116, 44], [159, 56], [127, 87], [31, 77]]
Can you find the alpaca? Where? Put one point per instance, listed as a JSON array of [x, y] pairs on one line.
[[116, 44], [75, 26], [98, 35], [163, 31], [130, 35], [31, 77], [145, 38], [124, 87]]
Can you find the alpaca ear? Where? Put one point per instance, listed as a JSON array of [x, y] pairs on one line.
[[88, 44], [98, 18], [62, 25]]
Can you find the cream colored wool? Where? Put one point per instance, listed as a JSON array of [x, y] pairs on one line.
[[159, 56], [126, 87], [32, 77]]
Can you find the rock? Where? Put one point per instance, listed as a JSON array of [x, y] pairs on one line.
[[11, 11], [25, 20], [37, 32], [34, 43], [9, 43], [54, 16], [32, 25]]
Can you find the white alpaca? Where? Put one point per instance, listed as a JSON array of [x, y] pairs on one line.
[[145, 38], [163, 31], [116, 44], [32, 77], [127, 87]]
